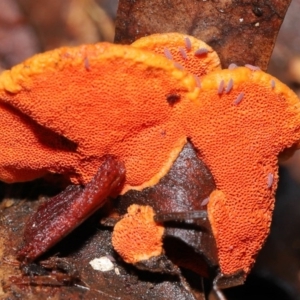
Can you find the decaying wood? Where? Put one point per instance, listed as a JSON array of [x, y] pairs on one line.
[[92, 240], [241, 31]]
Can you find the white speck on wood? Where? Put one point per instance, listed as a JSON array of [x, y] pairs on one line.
[[102, 264]]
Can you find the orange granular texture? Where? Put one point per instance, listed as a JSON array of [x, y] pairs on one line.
[[29, 151], [137, 237], [113, 99], [240, 142], [181, 54], [108, 99]]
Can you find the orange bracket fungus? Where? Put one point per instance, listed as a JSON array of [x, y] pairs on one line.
[[138, 107], [133, 116]]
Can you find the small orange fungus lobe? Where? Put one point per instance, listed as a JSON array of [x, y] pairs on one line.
[[137, 236], [240, 142], [185, 51], [119, 106]]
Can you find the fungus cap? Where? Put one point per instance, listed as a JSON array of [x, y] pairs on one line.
[[240, 141], [137, 236], [182, 50], [107, 99]]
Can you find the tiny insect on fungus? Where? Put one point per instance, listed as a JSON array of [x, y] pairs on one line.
[[109, 114], [182, 48]]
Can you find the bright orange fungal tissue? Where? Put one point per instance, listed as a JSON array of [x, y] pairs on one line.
[[239, 132], [108, 99], [137, 236], [28, 150], [185, 51], [136, 105]]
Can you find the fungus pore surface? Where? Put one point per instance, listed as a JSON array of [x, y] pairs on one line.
[[240, 143], [137, 236], [140, 108], [29, 150], [119, 105]]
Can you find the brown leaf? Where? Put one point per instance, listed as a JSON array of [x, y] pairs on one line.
[[241, 31]]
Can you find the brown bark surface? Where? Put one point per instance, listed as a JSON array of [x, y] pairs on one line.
[[241, 31]]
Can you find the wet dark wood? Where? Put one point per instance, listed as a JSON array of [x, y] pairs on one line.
[[58, 216], [184, 187]]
